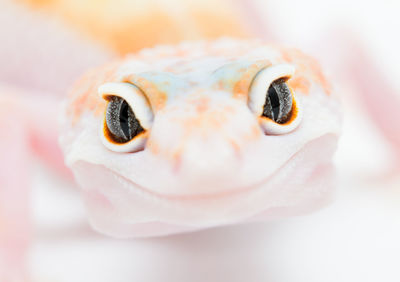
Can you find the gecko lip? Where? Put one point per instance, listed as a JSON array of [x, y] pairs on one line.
[[119, 207], [131, 186]]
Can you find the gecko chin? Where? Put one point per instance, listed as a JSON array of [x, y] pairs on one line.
[[119, 207]]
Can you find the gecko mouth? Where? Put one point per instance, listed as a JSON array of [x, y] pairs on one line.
[[119, 207], [299, 174]]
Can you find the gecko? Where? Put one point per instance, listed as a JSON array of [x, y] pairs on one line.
[[179, 138], [201, 134]]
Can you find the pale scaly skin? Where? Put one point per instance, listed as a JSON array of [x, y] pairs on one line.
[[206, 162]]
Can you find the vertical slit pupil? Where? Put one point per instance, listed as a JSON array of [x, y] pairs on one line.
[[121, 121], [274, 100], [124, 119], [278, 101]]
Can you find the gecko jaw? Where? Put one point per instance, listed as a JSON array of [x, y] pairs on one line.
[[132, 186], [117, 205]]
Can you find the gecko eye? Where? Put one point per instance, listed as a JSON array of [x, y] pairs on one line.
[[127, 118], [121, 120], [272, 100]]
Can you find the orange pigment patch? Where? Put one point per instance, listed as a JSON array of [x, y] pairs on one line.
[[235, 145], [157, 99], [241, 88], [204, 122], [153, 146], [84, 96], [202, 104], [220, 85], [307, 69], [173, 153], [299, 83], [177, 158], [229, 110], [254, 134]]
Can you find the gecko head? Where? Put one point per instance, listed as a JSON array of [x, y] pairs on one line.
[[179, 138]]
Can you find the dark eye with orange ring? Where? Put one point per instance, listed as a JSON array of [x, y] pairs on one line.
[[128, 117], [273, 102], [121, 120]]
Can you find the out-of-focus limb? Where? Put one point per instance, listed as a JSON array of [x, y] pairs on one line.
[[352, 63], [376, 93], [28, 125], [15, 229]]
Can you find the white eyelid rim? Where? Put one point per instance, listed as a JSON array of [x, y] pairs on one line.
[[261, 83], [140, 106], [133, 96]]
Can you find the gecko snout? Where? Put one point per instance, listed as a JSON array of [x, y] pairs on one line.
[[203, 138]]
